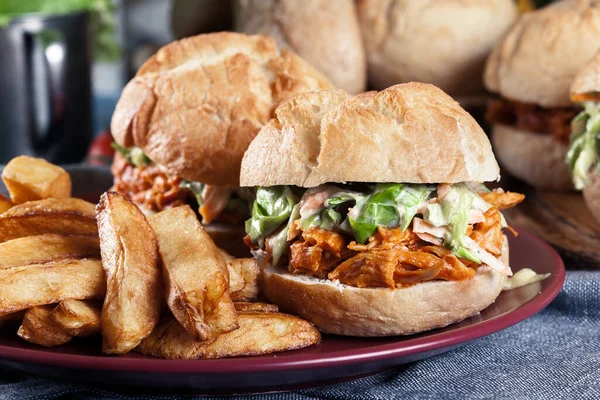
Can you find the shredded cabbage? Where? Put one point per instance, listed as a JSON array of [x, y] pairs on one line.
[[582, 156], [360, 213]]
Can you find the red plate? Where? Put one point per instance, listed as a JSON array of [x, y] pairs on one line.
[[335, 359]]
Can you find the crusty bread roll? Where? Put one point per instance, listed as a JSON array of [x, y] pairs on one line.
[[323, 32], [587, 80], [537, 159], [197, 104], [538, 59], [591, 194], [412, 133], [443, 42], [347, 310]]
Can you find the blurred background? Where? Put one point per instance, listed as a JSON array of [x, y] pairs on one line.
[[64, 63]]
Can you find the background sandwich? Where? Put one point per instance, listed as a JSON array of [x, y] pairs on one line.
[[184, 121], [582, 157], [444, 43], [323, 32], [370, 216], [532, 69]]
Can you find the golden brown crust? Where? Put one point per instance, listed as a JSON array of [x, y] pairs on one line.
[[333, 43], [539, 57], [195, 106], [591, 194], [413, 133], [537, 159], [346, 310], [426, 41], [587, 80], [131, 264]]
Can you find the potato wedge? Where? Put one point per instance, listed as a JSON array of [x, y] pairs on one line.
[[259, 333], [30, 179], [11, 319], [246, 306], [5, 203], [52, 282], [195, 273], [243, 278], [38, 328], [78, 317], [39, 249], [134, 288], [61, 216]]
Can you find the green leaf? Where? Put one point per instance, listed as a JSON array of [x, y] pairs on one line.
[[272, 207], [585, 144], [391, 205], [134, 156], [196, 188], [279, 241]]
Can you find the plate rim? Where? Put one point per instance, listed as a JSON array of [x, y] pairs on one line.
[[375, 353]]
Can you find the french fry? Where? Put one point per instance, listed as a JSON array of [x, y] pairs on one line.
[[5, 203], [40, 284], [61, 216], [259, 333], [243, 278], [246, 306], [78, 317], [38, 328], [30, 179], [130, 260], [39, 249], [195, 274], [11, 319]]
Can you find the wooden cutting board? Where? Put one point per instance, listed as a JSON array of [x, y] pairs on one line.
[[561, 219]]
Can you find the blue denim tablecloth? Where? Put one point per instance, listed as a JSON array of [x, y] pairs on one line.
[[553, 355]]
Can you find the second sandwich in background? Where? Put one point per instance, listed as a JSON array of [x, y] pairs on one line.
[[532, 69], [444, 43], [184, 121], [583, 156], [371, 217]]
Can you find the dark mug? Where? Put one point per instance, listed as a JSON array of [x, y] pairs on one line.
[[45, 87]]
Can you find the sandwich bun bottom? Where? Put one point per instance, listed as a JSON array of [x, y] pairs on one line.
[[537, 159], [591, 194], [350, 311]]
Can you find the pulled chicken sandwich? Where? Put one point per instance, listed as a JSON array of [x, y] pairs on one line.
[[371, 218]]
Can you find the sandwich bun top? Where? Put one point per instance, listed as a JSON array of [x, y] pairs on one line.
[[539, 57], [442, 42], [408, 133], [195, 106], [587, 80]]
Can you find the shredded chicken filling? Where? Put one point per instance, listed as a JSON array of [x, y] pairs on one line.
[[155, 190], [393, 258], [533, 118]]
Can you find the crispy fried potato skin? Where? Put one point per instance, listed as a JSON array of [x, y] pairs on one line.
[[243, 278], [78, 317], [60, 216], [38, 328], [5, 203], [29, 179], [195, 273], [39, 249], [247, 306], [259, 333], [52, 282], [134, 288]]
